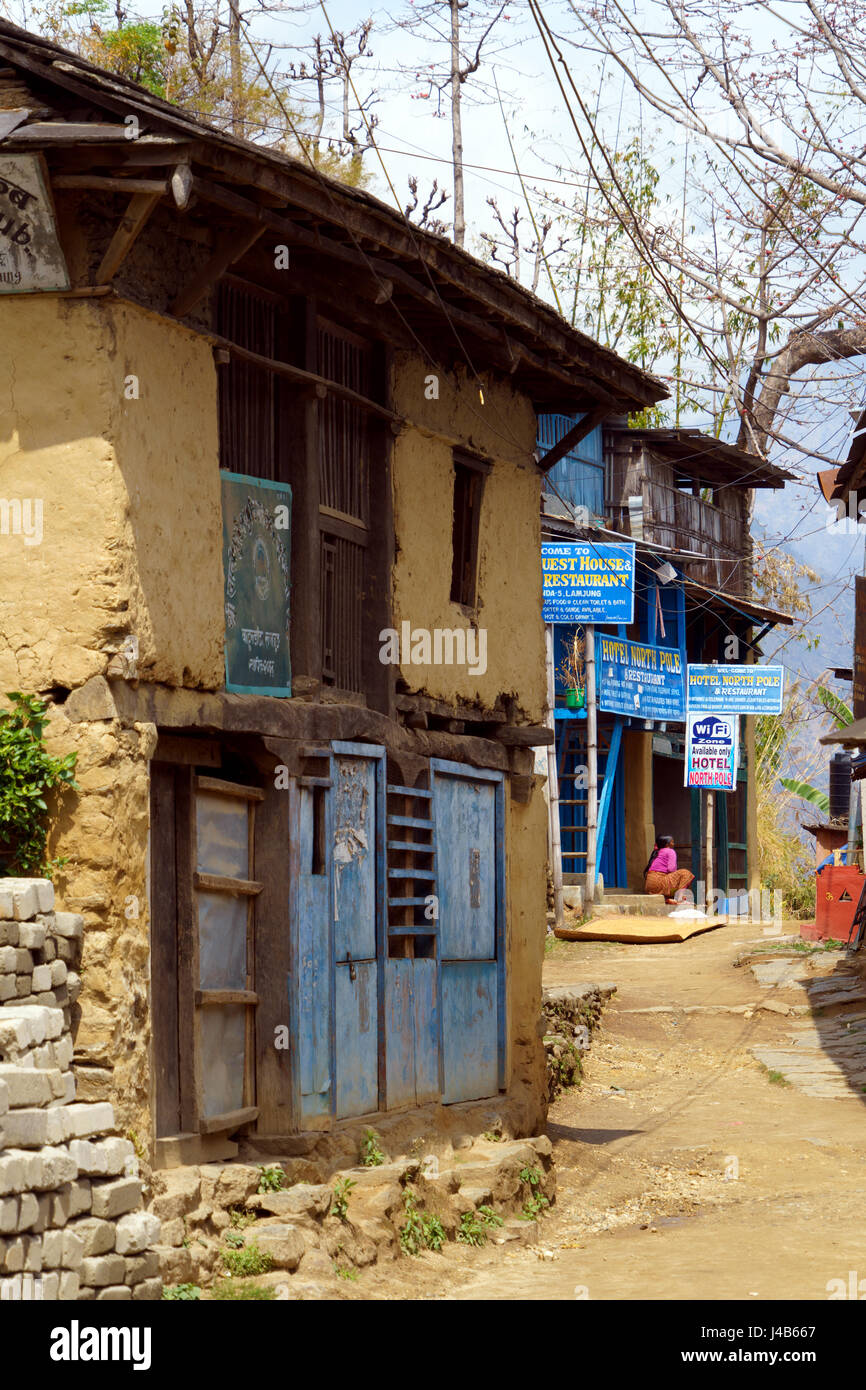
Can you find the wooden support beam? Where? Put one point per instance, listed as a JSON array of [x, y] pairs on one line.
[[131, 224], [573, 436], [320, 385], [102, 183], [230, 249]]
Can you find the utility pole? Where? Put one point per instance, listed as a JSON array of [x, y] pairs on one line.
[[708, 849], [456, 126], [592, 770], [553, 784], [235, 63]]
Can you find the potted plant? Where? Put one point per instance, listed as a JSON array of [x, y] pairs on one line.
[[28, 772], [572, 671]]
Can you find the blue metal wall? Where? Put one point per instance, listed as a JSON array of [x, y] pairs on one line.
[[578, 478]]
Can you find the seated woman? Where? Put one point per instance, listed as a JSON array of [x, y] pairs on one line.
[[661, 874]]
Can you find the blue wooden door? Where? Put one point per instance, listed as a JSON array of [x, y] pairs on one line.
[[467, 814], [357, 773], [314, 962]]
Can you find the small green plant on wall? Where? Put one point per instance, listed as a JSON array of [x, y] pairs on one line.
[[340, 1198], [371, 1152], [28, 773]]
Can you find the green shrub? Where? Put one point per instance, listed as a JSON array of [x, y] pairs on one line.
[[475, 1226], [340, 1199], [272, 1179], [27, 774], [181, 1292], [249, 1260], [227, 1289], [371, 1155]]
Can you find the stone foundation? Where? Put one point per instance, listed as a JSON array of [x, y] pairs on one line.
[[216, 1216], [569, 1015], [71, 1219]]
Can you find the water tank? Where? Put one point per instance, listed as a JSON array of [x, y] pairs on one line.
[[840, 785]]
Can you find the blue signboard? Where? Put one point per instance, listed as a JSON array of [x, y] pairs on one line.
[[712, 750], [585, 582], [728, 689], [257, 567], [637, 679]]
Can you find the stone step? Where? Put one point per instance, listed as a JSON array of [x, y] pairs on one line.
[[635, 904]]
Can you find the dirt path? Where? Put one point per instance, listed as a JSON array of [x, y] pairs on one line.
[[684, 1170]]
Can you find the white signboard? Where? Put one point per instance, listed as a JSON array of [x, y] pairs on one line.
[[712, 753], [30, 254]]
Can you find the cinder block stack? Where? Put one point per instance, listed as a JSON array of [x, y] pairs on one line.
[[71, 1219]]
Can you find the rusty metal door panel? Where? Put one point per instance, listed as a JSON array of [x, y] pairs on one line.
[[357, 1038], [464, 816], [470, 1030], [399, 1033], [354, 857]]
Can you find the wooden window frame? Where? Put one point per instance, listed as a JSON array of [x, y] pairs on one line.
[[466, 531], [216, 998]]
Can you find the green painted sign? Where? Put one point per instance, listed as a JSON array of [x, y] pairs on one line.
[[257, 565]]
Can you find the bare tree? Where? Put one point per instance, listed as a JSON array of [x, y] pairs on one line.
[[461, 33], [329, 61], [435, 200], [768, 279]]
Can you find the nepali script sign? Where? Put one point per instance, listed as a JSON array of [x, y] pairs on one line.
[[643, 681], [257, 567], [587, 583], [30, 254], [712, 751], [736, 689]]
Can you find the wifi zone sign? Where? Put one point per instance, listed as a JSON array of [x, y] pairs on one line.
[[713, 751], [712, 729]]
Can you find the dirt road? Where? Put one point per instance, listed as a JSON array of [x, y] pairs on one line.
[[686, 1169]]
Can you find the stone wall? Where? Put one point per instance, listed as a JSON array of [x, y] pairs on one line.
[[71, 1219], [569, 1016]]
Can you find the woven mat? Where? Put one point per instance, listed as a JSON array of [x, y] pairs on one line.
[[633, 928]]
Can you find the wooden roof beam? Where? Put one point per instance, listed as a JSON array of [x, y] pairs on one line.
[[129, 228], [230, 249]]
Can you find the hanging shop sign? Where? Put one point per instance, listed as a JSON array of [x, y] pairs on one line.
[[712, 750], [587, 583], [30, 254], [727, 689], [257, 567], [637, 679]]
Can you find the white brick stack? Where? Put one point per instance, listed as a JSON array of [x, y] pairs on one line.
[[71, 1218]]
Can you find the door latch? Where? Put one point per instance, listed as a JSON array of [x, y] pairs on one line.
[[353, 974]]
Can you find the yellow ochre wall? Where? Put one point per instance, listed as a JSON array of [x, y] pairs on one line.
[[509, 569], [130, 495]]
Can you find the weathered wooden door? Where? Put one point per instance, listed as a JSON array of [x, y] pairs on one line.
[[358, 792], [468, 820], [314, 950]]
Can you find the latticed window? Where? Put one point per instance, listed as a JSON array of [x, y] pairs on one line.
[[248, 394], [344, 505]]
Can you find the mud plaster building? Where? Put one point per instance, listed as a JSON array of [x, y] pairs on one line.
[[312, 879]]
